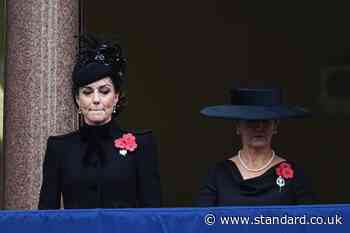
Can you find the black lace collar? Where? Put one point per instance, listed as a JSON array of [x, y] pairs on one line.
[[94, 138]]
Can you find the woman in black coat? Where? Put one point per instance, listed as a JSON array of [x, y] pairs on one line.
[[100, 165], [255, 175]]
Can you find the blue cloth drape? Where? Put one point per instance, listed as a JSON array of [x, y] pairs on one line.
[[260, 219]]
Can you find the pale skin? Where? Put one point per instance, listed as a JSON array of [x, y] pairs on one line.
[[256, 136], [97, 100]]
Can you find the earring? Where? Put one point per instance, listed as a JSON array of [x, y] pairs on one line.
[[79, 118], [114, 109], [275, 127]]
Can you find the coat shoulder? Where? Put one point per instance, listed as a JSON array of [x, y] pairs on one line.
[[138, 132], [143, 136], [64, 137]]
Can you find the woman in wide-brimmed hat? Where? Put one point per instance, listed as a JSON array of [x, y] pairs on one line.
[[256, 175]]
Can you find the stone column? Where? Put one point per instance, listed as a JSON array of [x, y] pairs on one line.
[[40, 52]]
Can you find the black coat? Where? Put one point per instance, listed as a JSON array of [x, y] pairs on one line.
[[109, 180]]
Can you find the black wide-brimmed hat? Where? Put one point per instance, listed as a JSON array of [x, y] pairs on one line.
[[255, 104]]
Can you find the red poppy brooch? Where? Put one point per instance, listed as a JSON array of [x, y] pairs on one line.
[[283, 171], [126, 143]]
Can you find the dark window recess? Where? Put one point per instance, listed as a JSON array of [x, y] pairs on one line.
[[93, 187], [338, 83]]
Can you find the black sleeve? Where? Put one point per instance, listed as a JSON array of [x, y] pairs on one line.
[[303, 190], [208, 191], [50, 194], [148, 179]]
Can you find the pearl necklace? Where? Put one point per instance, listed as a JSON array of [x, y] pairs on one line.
[[258, 169]]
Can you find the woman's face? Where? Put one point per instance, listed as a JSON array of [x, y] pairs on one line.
[[96, 101], [256, 133]]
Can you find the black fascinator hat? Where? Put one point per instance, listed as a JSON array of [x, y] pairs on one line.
[[97, 59], [255, 104]]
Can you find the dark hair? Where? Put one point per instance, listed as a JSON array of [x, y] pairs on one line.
[[97, 59]]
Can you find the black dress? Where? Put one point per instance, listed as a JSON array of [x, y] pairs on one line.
[[88, 170], [224, 186]]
